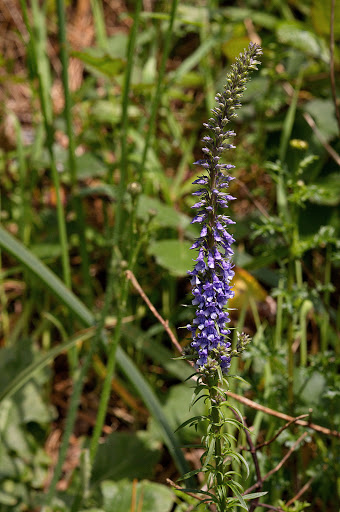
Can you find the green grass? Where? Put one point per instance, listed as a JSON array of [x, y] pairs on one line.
[[103, 186]]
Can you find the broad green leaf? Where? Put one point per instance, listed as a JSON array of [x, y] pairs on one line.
[[101, 62], [28, 402], [88, 166], [125, 455], [156, 351], [19, 379], [310, 387], [117, 44], [177, 413], [329, 187], [295, 35], [320, 16], [173, 255], [165, 216], [233, 47], [323, 113], [150, 399], [104, 111], [259, 17], [150, 496], [46, 251], [7, 499]]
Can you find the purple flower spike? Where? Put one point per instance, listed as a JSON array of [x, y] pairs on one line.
[[213, 270]]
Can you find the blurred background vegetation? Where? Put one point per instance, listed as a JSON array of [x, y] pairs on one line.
[[102, 104]]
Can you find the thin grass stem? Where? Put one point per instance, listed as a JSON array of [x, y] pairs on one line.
[[38, 41], [99, 23], [125, 119], [159, 88], [80, 220]]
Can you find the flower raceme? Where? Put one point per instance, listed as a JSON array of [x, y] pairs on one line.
[[213, 271]]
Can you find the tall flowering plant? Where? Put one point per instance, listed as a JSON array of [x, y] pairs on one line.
[[210, 348]]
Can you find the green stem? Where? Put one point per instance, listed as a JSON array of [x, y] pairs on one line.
[[326, 299], [113, 260], [110, 368], [290, 337], [80, 221], [78, 377], [99, 23], [159, 87], [278, 326], [215, 420], [38, 47], [124, 126]]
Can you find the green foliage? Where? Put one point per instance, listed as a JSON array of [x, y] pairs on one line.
[[147, 84], [117, 496], [125, 455]]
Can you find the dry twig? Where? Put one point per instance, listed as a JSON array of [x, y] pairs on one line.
[[279, 465], [301, 491], [321, 138], [277, 414], [293, 420], [308, 118], [270, 507], [130, 275], [242, 399], [179, 488]]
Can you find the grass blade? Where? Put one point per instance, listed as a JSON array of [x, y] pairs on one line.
[[151, 401], [55, 285], [25, 375]]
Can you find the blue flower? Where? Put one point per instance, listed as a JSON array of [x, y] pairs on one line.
[[213, 270]]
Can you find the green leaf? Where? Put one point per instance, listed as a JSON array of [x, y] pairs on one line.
[[150, 399], [80, 311], [191, 422], [28, 401], [295, 35], [310, 388], [259, 17], [150, 496], [173, 255], [235, 490], [125, 455], [100, 61], [323, 113], [165, 216], [320, 16], [18, 380], [48, 278], [104, 111], [143, 340], [88, 166], [7, 499], [176, 412], [254, 495], [233, 47]]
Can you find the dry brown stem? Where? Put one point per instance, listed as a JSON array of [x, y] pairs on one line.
[[270, 507], [301, 491], [130, 275], [179, 488], [277, 414], [294, 420], [318, 428], [278, 466]]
